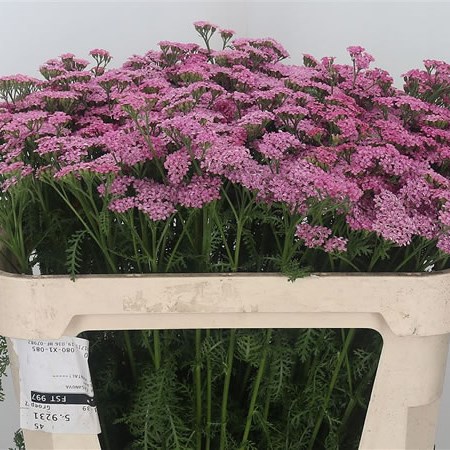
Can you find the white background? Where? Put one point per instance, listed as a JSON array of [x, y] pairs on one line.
[[399, 34]]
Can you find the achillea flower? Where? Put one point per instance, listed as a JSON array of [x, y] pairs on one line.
[[392, 220], [444, 216], [169, 128], [204, 25], [361, 58], [269, 48], [98, 52], [274, 145], [199, 192], [177, 165], [256, 118], [226, 34], [227, 108], [223, 155], [335, 244], [117, 187], [443, 243], [313, 236], [177, 46], [18, 79], [122, 205], [13, 167], [154, 199]]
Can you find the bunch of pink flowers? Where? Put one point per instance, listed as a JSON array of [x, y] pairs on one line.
[[171, 128]]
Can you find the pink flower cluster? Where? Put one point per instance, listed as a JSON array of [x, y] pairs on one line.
[[172, 127]]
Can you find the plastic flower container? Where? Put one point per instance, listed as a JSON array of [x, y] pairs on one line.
[[410, 311], [222, 168]]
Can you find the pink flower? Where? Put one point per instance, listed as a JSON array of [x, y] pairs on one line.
[[177, 165], [335, 244], [444, 216], [443, 243], [172, 128], [118, 187], [200, 191], [313, 236], [274, 145], [392, 220], [98, 52], [226, 34], [360, 57], [204, 25], [223, 156], [122, 205], [154, 199]]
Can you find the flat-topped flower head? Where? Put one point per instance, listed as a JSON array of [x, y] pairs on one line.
[[101, 56], [100, 53], [226, 34], [203, 25], [17, 87], [178, 125], [360, 57], [67, 56]]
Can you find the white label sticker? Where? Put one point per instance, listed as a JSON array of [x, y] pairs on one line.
[[56, 393]]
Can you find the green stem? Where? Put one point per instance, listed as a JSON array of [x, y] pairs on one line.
[[61, 192], [147, 413], [347, 261], [237, 248], [208, 395], [174, 250], [206, 235], [144, 231], [409, 257], [245, 378], [268, 399], [312, 366], [287, 241], [140, 240], [147, 345], [224, 238], [128, 346], [154, 253], [347, 366], [135, 246], [353, 402], [334, 378], [19, 250], [226, 388], [161, 247], [198, 389], [146, 136], [259, 375], [157, 348]]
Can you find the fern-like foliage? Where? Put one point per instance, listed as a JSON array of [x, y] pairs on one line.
[[4, 362], [155, 418], [19, 441], [361, 362], [74, 253], [281, 365], [296, 406], [104, 221], [214, 351], [249, 345], [306, 343]]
